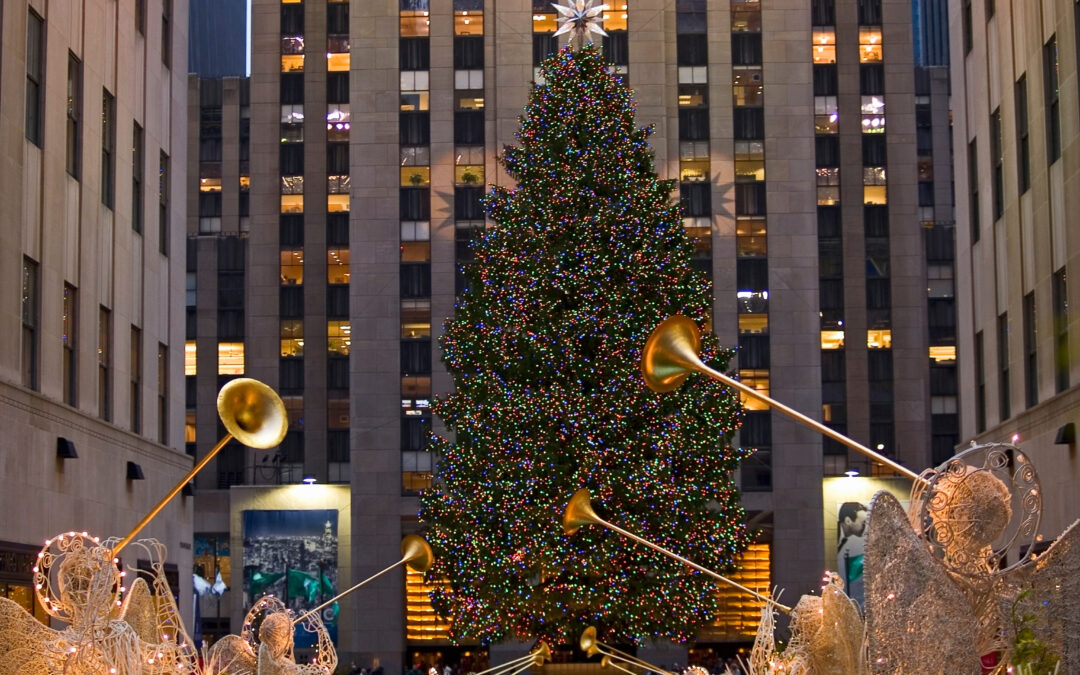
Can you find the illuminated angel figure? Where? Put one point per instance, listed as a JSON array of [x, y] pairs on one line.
[[76, 580], [265, 645], [949, 576]]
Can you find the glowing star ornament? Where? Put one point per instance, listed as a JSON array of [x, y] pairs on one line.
[[580, 17]]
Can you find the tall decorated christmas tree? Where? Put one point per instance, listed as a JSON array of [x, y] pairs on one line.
[[586, 257]]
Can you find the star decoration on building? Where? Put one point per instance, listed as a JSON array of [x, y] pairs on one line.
[[580, 17]]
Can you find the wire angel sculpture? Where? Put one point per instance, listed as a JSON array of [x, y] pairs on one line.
[[948, 574], [265, 644], [76, 580]]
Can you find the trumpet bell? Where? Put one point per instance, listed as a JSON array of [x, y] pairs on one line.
[[417, 553], [606, 661], [543, 653], [579, 512], [252, 413], [671, 354], [587, 643]]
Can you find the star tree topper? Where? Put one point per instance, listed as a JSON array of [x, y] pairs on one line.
[[582, 17]]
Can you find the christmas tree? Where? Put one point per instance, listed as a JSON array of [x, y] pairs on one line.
[[586, 257]]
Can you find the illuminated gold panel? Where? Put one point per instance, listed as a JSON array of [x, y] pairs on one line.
[[616, 18], [209, 185], [469, 174], [545, 23], [337, 203], [832, 339], [422, 624], [292, 203], [739, 613], [415, 176], [189, 358], [468, 23], [337, 63], [879, 339], [414, 23], [759, 381], [292, 63], [230, 358], [944, 353]]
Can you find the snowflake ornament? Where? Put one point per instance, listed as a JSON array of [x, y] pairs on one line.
[[580, 17]]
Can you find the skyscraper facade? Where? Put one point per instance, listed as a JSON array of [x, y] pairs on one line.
[[374, 130], [91, 250], [1016, 135], [219, 38]]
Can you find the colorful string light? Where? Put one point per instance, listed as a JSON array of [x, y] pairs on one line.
[[587, 256]]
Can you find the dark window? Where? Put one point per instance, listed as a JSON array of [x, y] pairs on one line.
[[209, 204], [163, 204], [337, 18], [104, 349], [544, 45], [140, 16], [138, 169], [337, 229], [337, 373], [337, 301], [690, 17], [878, 294], [291, 159], [1023, 152], [749, 124], [291, 229], [989, 9], [30, 308], [754, 351], [869, 12], [973, 189], [1003, 365], [616, 48], [136, 380], [468, 52], [750, 199], [415, 280], [980, 384], [756, 434], [416, 357], [830, 258], [468, 128], [825, 79], [693, 124], [696, 198], [292, 19], [1050, 95], [415, 203], [108, 148], [292, 88], [746, 49], [692, 49], [827, 150], [166, 33], [828, 220], [997, 161], [871, 79], [467, 204], [337, 87], [69, 337], [414, 53], [337, 445], [291, 376], [1031, 362], [337, 159], [74, 115], [873, 150], [35, 78], [940, 244], [822, 12], [1061, 331], [876, 221], [414, 433], [752, 274], [941, 320], [292, 302]]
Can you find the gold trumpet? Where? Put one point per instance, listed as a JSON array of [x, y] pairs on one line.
[[415, 552], [521, 663], [252, 414], [671, 354], [580, 512], [592, 646]]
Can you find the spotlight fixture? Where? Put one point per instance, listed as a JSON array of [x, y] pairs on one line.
[[134, 471], [310, 480], [188, 490], [65, 449], [1066, 434], [851, 473]]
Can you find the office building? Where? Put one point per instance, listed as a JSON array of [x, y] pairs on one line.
[[1016, 136], [373, 131], [91, 250], [219, 38]]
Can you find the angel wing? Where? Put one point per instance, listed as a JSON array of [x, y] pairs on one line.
[[231, 654], [1054, 581], [21, 630], [909, 593], [140, 612]]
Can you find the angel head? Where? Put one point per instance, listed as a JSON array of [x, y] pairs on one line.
[[276, 634], [87, 582]]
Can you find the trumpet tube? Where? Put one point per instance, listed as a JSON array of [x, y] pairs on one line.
[[529, 660], [415, 552], [579, 512], [671, 353]]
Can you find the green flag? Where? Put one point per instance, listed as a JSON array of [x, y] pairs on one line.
[[261, 580]]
